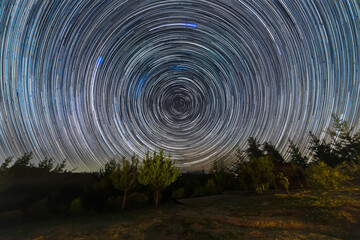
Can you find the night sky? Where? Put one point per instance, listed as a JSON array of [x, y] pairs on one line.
[[91, 80]]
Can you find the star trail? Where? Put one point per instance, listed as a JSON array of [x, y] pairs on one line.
[[91, 80]]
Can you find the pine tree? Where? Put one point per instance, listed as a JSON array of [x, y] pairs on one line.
[[46, 164], [323, 151], [253, 150], [125, 176], [296, 156], [345, 145], [159, 172], [272, 152]]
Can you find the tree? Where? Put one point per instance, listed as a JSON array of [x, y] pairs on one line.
[[109, 167], [6, 164], [257, 174], [23, 162], [46, 164], [159, 172], [323, 151], [60, 167], [295, 155], [253, 150], [272, 152], [125, 175], [222, 174], [344, 144]]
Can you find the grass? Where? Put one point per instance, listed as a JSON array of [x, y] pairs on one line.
[[233, 215]]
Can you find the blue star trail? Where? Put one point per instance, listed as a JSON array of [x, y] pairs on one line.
[[92, 80]]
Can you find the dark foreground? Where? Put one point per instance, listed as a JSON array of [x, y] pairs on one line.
[[232, 215]]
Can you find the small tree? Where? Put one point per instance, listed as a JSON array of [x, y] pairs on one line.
[[125, 175], [222, 174], [284, 181], [159, 172], [257, 174]]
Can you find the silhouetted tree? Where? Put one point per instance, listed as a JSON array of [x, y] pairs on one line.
[[322, 151], [23, 162], [60, 167], [46, 164], [344, 144], [254, 148], [295, 155], [159, 172], [6, 164], [272, 152], [109, 167]]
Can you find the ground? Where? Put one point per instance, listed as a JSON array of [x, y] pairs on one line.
[[231, 215]]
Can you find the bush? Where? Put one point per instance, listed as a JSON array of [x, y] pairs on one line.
[[321, 176], [209, 189], [257, 174], [137, 197], [113, 203], [75, 206], [179, 193], [284, 181], [38, 209]]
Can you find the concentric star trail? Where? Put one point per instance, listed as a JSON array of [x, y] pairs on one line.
[[90, 80]]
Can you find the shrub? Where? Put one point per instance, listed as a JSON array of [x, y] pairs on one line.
[[320, 175], [209, 189], [222, 175], [284, 181], [113, 203], [75, 206], [38, 209], [179, 193], [138, 197]]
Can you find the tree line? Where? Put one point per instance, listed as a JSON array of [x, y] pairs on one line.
[[46, 189]]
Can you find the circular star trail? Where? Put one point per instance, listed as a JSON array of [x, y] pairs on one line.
[[90, 80]]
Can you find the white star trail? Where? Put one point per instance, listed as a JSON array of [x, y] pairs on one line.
[[90, 80]]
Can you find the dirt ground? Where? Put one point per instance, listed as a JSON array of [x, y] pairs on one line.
[[231, 215]]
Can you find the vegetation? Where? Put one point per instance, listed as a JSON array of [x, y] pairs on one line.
[[159, 172], [296, 157], [305, 214], [284, 181], [125, 176], [41, 190], [320, 175], [222, 175], [257, 174]]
